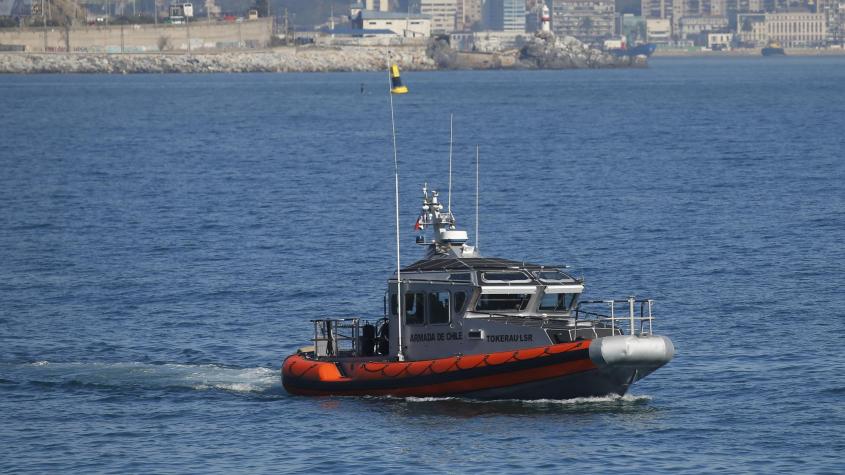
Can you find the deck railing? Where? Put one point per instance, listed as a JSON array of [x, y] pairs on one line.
[[336, 336], [629, 316]]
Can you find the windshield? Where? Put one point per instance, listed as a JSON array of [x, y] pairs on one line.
[[557, 302], [502, 302]]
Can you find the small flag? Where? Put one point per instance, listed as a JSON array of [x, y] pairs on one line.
[[396, 86], [417, 225]]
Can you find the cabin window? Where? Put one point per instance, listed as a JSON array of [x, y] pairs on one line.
[[438, 307], [510, 277], [461, 277], [502, 302], [393, 304], [460, 300], [558, 302], [414, 308]]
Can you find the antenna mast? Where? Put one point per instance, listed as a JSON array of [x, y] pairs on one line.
[[449, 209], [476, 198]]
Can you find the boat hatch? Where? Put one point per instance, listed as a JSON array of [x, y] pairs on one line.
[[554, 277], [511, 277], [509, 289]]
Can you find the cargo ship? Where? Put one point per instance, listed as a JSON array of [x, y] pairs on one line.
[[645, 49]]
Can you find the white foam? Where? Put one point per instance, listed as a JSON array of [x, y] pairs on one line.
[[430, 399], [200, 377], [612, 398], [628, 398]]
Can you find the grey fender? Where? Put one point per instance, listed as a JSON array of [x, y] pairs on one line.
[[650, 351]]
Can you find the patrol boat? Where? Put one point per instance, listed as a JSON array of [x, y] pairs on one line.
[[480, 327]]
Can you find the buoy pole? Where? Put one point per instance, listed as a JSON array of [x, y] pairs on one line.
[[400, 355]]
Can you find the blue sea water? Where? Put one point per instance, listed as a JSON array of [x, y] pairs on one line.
[[164, 241]]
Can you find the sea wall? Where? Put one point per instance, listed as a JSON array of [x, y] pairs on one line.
[[199, 35]]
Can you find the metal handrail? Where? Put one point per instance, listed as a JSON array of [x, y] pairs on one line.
[[645, 314]]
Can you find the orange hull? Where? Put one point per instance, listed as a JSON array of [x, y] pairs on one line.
[[453, 376]]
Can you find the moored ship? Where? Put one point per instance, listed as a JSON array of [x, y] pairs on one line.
[[459, 324], [773, 48], [644, 49]]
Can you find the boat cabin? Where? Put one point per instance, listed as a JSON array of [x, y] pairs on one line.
[[458, 305], [455, 302]]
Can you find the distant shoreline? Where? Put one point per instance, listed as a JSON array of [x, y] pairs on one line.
[[290, 59], [745, 52]]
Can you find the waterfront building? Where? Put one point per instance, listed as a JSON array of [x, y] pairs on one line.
[[671, 10], [658, 30], [834, 13], [588, 20], [714, 8], [380, 5], [408, 25], [691, 27], [443, 14], [469, 13], [790, 29], [719, 41], [505, 15], [514, 15]]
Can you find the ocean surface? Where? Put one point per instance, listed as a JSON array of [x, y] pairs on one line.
[[165, 239]]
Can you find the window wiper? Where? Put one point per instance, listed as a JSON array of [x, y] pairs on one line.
[[494, 314]]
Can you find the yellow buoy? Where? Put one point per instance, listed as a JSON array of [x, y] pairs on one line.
[[396, 86]]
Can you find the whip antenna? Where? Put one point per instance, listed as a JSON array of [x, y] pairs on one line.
[[476, 198], [450, 164]]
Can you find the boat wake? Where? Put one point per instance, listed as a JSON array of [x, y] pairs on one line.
[[147, 376], [602, 400], [466, 408]]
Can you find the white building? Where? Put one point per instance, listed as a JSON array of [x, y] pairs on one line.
[[658, 30], [692, 26], [413, 25], [671, 10], [444, 14], [719, 41], [590, 21], [791, 30]]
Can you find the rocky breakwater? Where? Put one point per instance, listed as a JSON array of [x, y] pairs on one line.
[[287, 59], [543, 50], [547, 51]]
